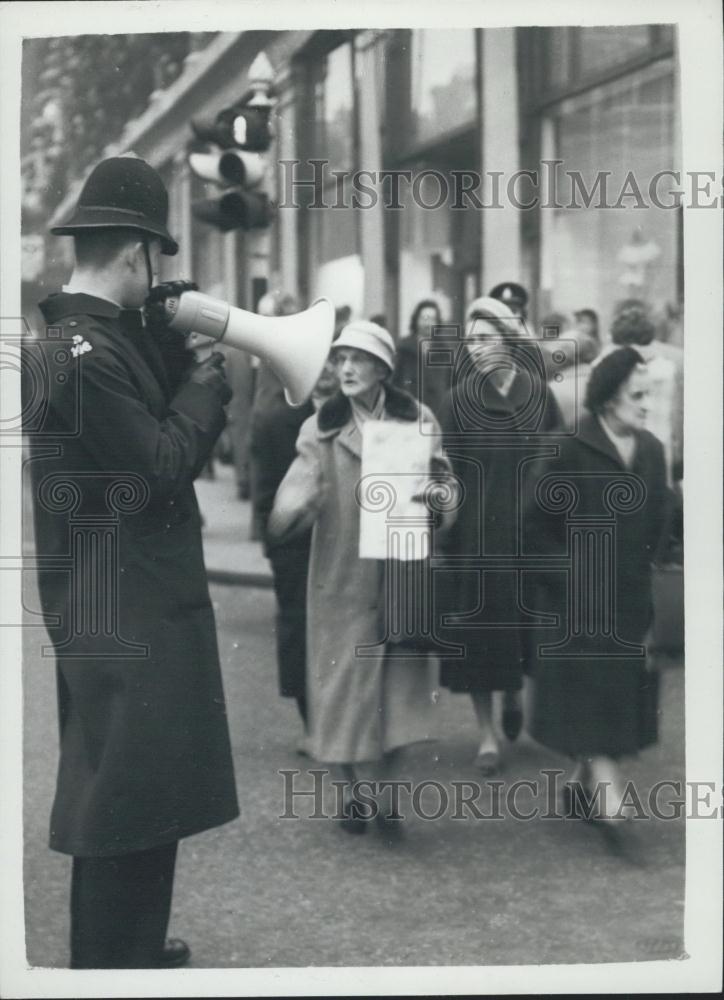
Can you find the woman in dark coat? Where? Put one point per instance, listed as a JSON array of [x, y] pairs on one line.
[[274, 429], [431, 389], [494, 421], [593, 688]]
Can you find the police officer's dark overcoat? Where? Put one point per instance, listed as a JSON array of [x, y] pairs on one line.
[[145, 754]]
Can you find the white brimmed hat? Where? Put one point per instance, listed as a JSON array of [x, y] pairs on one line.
[[363, 335], [485, 307]]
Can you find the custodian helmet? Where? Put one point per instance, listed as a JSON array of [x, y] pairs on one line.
[[122, 192]]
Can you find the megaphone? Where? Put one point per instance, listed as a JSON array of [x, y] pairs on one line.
[[296, 347]]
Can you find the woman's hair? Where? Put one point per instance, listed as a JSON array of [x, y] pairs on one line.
[[632, 324], [588, 314], [424, 304], [609, 375]]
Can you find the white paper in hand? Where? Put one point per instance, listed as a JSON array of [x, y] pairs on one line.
[[395, 468]]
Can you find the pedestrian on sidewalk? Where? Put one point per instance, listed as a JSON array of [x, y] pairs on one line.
[[273, 435], [492, 424], [362, 710], [145, 756], [427, 383], [597, 701]]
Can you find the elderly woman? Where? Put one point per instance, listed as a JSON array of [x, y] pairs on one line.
[[361, 709], [494, 423], [596, 704]]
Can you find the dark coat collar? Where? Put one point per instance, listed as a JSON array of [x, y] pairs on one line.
[[335, 412], [594, 436], [125, 325], [517, 397], [62, 304]]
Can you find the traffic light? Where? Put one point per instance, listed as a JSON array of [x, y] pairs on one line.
[[227, 151], [247, 127]]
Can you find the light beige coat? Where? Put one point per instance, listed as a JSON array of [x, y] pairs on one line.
[[359, 706]]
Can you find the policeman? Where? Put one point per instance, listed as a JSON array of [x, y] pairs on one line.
[[513, 295], [145, 754]]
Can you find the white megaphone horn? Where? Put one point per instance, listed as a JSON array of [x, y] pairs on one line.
[[296, 347]]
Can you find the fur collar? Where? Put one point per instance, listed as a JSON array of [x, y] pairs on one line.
[[335, 412]]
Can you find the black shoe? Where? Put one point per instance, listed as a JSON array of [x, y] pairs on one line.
[[620, 841], [512, 722], [391, 826], [175, 954], [572, 798], [354, 818]]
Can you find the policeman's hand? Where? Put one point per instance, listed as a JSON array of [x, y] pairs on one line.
[[155, 302], [211, 373]]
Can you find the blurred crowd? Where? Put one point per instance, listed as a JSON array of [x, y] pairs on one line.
[[612, 401]]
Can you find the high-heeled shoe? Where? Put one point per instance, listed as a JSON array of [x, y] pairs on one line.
[[617, 835], [512, 718], [488, 763]]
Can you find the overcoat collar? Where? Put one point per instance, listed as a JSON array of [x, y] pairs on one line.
[[516, 399], [335, 416], [336, 411], [144, 356], [62, 304], [593, 435]]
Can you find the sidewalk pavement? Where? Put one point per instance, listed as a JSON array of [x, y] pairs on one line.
[[232, 557]]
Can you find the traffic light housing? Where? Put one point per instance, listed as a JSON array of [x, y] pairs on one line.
[[236, 210], [247, 128], [227, 151]]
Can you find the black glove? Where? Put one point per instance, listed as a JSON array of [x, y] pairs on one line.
[[155, 303], [211, 373]]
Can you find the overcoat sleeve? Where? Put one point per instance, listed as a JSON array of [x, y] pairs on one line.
[[121, 433], [301, 492], [659, 498]]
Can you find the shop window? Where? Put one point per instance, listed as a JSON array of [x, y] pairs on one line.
[[442, 73], [334, 107], [558, 56], [572, 56], [600, 48], [596, 256], [336, 263]]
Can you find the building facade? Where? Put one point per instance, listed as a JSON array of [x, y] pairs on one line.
[[411, 164]]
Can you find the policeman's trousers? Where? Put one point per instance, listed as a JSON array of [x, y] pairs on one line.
[[120, 908]]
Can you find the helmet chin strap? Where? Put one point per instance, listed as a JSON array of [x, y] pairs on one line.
[[149, 269]]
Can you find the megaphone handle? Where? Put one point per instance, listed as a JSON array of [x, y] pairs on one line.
[[202, 353], [202, 346]]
